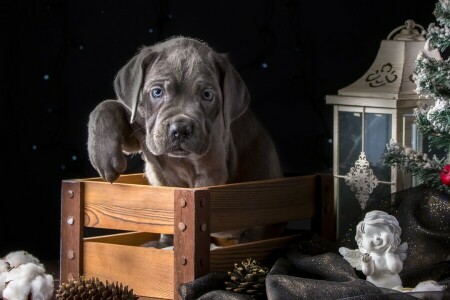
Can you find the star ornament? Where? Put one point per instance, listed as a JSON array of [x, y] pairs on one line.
[[361, 180]]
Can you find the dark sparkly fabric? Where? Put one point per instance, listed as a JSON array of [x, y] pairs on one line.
[[313, 268], [327, 266], [202, 285], [324, 276], [424, 217], [290, 287], [223, 295], [329, 276]]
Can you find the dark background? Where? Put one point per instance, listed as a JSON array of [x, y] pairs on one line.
[[59, 59]]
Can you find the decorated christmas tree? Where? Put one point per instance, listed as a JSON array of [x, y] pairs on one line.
[[432, 78]]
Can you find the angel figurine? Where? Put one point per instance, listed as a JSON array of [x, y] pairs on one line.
[[379, 255]]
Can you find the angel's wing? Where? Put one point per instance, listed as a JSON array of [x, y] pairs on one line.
[[352, 256], [401, 251]]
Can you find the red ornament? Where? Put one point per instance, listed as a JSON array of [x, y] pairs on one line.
[[445, 175]]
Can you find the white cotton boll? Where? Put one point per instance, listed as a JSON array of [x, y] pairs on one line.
[[2, 282], [42, 287], [26, 271], [18, 289], [17, 258], [4, 266], [19, 281]]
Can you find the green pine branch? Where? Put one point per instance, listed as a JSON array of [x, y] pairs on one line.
[[432, 77], [439, 34], [435, 124], [418, 164]]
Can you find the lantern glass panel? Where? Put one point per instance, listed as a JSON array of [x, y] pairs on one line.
[[350, 125], [377, 133]]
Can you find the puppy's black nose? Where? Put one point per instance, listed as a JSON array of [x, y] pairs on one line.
[[180, 130]]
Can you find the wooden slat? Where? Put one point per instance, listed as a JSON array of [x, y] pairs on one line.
[[192, 236], [244, 205], [137, 178], [148, 271], [128, 238], [223, 259], [131, 207], [71, 255], [327, 212], [133, 179]]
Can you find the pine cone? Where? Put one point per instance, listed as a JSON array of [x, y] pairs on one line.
[[248, 278], [93, 289]]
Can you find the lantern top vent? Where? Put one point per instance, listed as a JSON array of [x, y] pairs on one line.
[[389, 81], [408, 32]]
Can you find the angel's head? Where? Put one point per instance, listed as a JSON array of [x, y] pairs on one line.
[[377, 232]]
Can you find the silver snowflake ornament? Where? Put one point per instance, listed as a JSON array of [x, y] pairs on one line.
[[361, 180]]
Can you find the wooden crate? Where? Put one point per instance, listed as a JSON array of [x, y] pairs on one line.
[[190, 214]]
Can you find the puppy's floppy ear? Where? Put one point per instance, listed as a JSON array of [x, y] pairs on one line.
[[235, 95], [130, 79]]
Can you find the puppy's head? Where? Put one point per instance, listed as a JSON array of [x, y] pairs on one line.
[[182, 92]]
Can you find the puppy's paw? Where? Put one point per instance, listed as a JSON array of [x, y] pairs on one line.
[[117, 167], [109, 133], [109, 162]]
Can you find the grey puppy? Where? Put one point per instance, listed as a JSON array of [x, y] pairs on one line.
[[185, 108]]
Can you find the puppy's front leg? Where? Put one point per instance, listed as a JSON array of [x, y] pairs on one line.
[[109, 135]]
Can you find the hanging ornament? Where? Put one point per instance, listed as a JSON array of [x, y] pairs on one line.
[[445, 175], [361, 180]]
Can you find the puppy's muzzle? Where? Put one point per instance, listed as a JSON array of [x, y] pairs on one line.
[[181, 137], [180, 132]]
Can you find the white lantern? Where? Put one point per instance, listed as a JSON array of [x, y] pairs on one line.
[[369, 113]]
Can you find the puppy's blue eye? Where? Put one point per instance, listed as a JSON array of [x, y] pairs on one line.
[[208, 95], [157, 92]]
